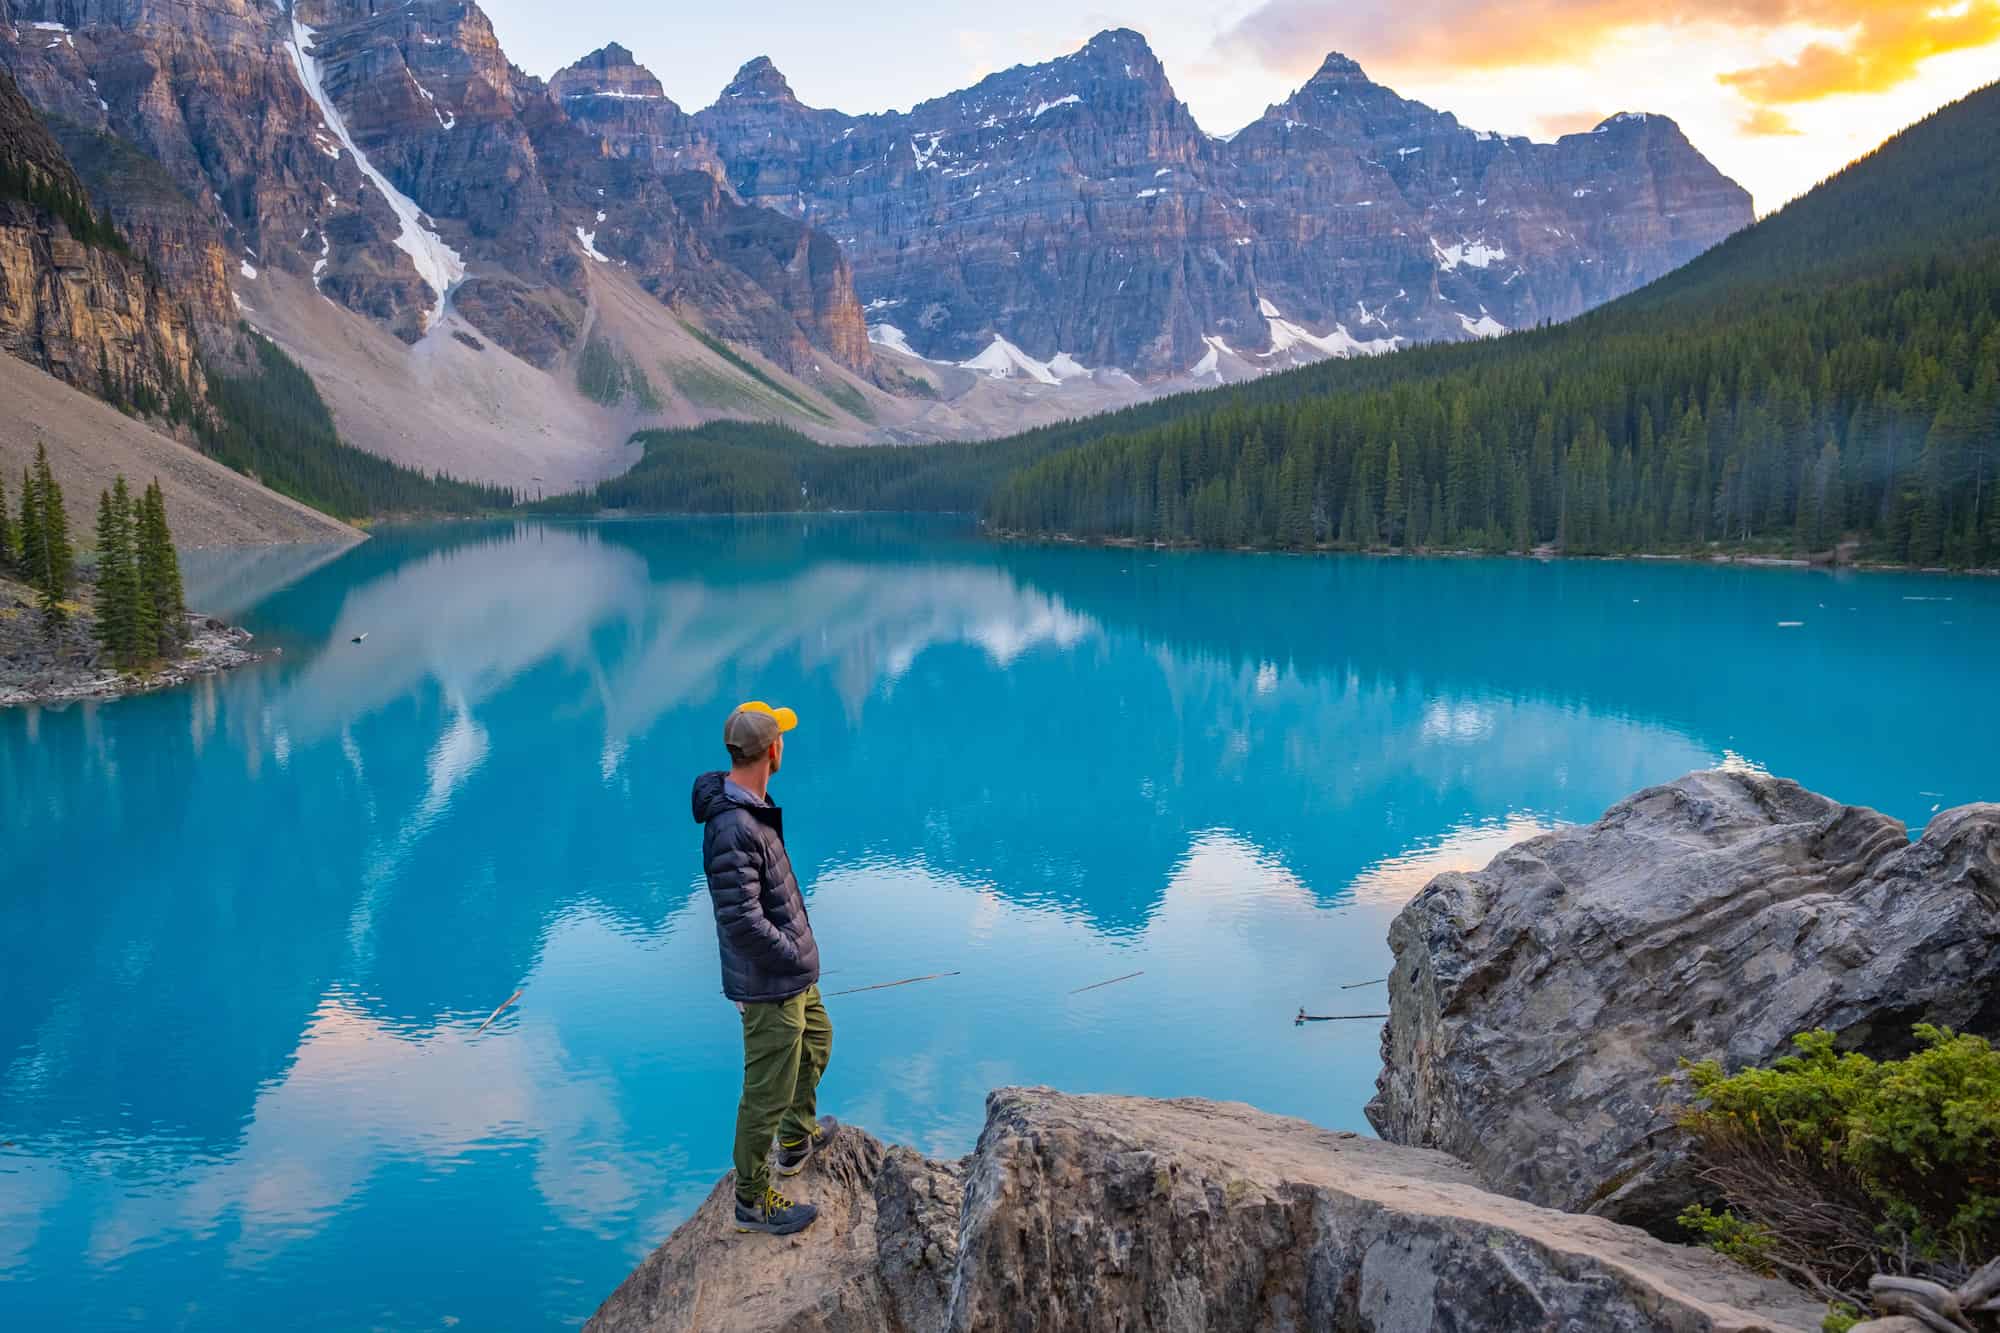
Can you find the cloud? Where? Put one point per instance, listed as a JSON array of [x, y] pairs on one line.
[[1885, 42], [1767, 121], [1864, 46]]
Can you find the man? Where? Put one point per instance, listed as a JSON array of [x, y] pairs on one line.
[[770, 967]]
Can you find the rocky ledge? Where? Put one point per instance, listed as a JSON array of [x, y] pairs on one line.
[[1081, 1213], [1541, 1008], [37, 668]]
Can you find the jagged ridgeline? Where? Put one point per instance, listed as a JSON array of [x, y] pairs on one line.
[[1832, 372]]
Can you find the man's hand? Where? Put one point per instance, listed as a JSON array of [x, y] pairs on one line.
[[739, 1007]]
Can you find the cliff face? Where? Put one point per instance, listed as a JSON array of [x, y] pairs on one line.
[[399, 161], [1076, 208], [1120, 1213], [73, 300]]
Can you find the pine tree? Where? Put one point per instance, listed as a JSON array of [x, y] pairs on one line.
[[1519, 520], [164, 607], [28, 532], [117, 577], [7, 552], [55, 563], [1395, 504]]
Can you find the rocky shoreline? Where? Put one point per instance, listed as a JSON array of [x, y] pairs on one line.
[[1531, 1162], [37, 669], [1749, 558]]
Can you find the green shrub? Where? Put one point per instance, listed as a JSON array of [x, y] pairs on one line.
[[1834, 1166]]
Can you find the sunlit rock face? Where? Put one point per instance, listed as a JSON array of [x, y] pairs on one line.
[[84, 311], [1074, 209]]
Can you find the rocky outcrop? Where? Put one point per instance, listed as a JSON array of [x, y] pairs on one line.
[[1082, 1213], [1075, 209], [1540, 1006], [74, 300]]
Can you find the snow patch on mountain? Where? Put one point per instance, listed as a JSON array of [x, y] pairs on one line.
[[1471, 254], [1002, 361], [1285, 335], [437, 264], [1484, 327]]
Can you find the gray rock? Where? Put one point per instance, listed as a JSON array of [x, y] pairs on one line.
[[1081, 1213], [880, 1256], [1540, 1007]]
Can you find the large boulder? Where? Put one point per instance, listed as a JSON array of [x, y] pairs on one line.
[[1082, 1213], [1540, 1008]]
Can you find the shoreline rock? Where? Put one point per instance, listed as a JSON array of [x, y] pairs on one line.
[[1540, 1008], [1125, 1213], [29, 675]]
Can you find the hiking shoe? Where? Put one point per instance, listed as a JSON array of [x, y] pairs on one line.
[[775, 1216], [792, 1157]]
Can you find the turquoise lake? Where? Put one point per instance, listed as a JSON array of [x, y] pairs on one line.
[[249, 929]]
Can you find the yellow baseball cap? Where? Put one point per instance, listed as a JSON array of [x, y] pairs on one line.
[[752, 727]]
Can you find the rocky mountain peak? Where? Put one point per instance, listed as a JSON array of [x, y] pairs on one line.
[[759, 79], [1337, 68], [609, 71], [1120, 47], [1635, 124]]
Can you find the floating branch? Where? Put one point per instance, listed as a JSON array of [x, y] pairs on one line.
[[885, 985], [496, 1013], [1352, 985], [1305, 1017], [1095, 984]]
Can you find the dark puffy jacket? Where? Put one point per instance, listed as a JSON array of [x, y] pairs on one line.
[[767, 944]]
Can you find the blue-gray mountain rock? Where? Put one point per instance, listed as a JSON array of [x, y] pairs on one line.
[[1076, 209]]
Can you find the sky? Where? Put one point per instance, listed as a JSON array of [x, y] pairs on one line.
[[1778, 93]]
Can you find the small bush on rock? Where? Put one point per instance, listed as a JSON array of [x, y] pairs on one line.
[[1833, 1167]]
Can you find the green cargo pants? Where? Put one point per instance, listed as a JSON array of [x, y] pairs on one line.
[[785, 1050]]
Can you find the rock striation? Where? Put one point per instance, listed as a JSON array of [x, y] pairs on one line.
[[74, 300], [1074, 209], [1540, 1006], [1081, 1213]]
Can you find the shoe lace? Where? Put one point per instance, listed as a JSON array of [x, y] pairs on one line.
[[775, 1202]]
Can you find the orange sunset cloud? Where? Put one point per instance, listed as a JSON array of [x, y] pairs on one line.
[[1867, 46], [1778, 92]]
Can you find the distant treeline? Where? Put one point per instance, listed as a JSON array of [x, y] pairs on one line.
[[272, 424], [741, 467]]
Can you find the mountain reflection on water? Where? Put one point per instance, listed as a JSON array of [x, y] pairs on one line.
[[250, 928]]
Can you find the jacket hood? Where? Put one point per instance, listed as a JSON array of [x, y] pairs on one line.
[[712, 796], [709, 799]]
